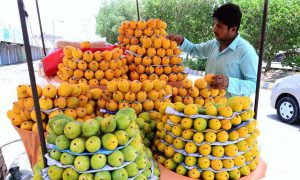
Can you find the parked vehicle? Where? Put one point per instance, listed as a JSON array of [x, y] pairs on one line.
[[285, 98]]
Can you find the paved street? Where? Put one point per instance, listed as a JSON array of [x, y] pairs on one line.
[[279, 144], [10, 77]]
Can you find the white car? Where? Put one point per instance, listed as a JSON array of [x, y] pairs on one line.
[[285, 98]]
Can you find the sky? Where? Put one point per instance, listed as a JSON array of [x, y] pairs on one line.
[[73, 20]]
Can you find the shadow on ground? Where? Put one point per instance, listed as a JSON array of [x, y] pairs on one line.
[[275, 118]]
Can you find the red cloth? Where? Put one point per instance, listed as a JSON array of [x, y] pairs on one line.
[[51, 61]]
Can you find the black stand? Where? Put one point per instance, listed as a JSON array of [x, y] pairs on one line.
[[32, 78], [138, 9], [261, 55], [40, 24]]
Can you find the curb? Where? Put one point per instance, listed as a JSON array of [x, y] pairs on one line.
[[266, 85], [263, 84], [194, 72]]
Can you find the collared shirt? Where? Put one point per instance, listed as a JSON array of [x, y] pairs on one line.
[[239, 62]]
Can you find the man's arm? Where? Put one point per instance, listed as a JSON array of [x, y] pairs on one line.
[[197, 50], [248, 66]]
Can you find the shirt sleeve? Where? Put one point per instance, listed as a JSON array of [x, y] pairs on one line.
[[197, 50], [248, 67]]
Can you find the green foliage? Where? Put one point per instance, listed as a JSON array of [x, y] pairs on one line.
[[251, 20], [282, 32], [283, 26], [111, 16], [195, 63], [183, 17], [292, 60]]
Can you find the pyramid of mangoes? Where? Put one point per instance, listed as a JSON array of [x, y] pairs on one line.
[[198, 93], [144, 97], [100, 148], [208, 141], [92, 68], [82, 102], [75, 100], [150, 55], [141, 96]]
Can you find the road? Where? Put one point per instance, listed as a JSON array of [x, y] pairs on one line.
[[278, 141], [10, 77]]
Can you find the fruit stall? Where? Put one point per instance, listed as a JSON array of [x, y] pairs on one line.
[[129, 111]]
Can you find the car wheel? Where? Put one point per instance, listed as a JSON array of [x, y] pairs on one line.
[[288, 110]]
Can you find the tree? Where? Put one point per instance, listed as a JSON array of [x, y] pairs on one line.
[[283, 26], [183, 17], [111, 16], [251, 20], [292, 59]]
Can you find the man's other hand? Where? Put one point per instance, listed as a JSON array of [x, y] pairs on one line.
[[220, 82], [175, 37]]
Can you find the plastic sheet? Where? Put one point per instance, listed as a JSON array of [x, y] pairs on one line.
[[100, 151]]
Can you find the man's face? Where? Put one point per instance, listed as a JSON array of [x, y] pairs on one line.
[[222, 32]]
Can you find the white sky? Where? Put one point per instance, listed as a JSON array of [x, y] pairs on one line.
[[71, 19]]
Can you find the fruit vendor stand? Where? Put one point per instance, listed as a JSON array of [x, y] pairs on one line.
[[143, 119]]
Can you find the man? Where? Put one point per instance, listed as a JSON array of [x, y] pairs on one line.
[[231, 58]]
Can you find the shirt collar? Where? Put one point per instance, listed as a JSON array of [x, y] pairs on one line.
[[234, 42]]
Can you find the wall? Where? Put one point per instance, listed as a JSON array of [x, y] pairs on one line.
[[11, 53]]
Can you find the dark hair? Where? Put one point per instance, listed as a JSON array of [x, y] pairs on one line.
[[229, 14]]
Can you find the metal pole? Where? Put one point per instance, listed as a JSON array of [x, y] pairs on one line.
[[137, 9], [41, 29], [261, 55], [32, 78]]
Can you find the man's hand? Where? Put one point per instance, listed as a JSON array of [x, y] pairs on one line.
[[174, 37], [220, 82]]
